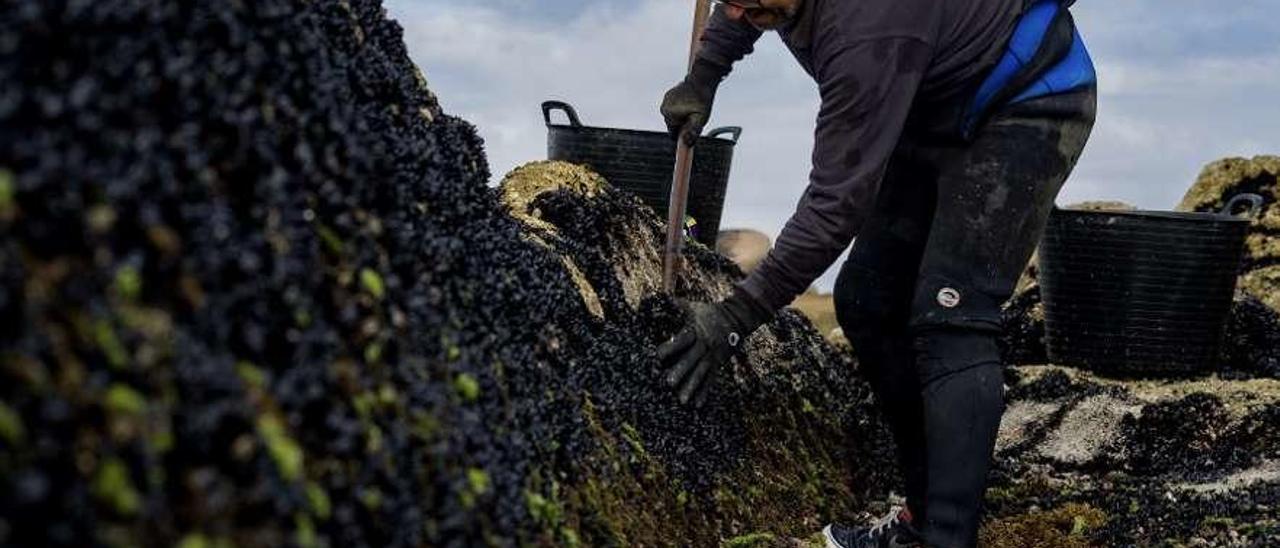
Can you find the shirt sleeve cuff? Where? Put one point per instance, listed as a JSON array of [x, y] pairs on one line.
[[756, 289]]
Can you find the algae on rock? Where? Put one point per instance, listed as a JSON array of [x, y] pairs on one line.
[[1144, 455], [802, 441], [1224, 179]]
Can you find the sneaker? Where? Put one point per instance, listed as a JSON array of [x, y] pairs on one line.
[[891, 531]]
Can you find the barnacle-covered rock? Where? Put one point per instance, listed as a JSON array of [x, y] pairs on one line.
[[1222, 180]]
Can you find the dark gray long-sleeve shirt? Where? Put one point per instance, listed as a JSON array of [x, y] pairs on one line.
[[877, 63]]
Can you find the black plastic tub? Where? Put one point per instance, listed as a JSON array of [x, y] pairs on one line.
[[1140, 293], [642, 162]]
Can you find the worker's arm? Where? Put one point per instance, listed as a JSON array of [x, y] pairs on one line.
[[867, 88], [725, 41], [687, 106]]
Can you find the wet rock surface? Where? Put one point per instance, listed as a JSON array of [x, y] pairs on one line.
[[1089, 461]]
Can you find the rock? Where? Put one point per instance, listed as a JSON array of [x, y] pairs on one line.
[[1252, 339], [1221, 180], [614, 242], [255, 289], [820, 308], [1264, 284], [1023, 341], [746, 248], [1148, 455], [836, 336], [1224, 179]]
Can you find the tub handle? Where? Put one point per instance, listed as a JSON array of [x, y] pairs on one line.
[[735, 131], [548, 106], [1255, 204]]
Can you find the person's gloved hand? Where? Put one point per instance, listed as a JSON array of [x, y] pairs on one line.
[[687, 106], [711, 336]]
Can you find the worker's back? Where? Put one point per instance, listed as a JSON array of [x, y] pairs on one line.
[[972, 36], [963, 38]]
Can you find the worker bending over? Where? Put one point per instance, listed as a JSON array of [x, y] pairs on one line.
[[946, 129]]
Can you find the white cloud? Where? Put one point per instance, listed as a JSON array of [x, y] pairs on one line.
[[1182, 83]]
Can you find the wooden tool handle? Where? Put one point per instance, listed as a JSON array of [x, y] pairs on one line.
[[684, 164]]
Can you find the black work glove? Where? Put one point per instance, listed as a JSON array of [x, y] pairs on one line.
[[687, 106], [712, 335]]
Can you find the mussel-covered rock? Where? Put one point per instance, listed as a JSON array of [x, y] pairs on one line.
[[256, 290]]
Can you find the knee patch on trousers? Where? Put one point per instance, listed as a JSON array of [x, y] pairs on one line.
[[944, 303]]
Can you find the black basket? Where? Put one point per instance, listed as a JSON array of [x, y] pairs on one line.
[[1140, 292], [642, 162]]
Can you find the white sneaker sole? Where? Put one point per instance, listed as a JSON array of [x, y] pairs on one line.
[[831, 540]]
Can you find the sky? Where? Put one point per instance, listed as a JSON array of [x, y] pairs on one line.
[[1181, 83]]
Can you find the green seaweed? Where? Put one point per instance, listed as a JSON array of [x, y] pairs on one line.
[[373, 352], [194, 540], [283, 449], [387, 396], [477, 484], [478, 480], [1067, 526], [124, 400], [11, 427], [546, 512], [318, 499], [373, 444], [104, 334], [330, 239], [749, 541], [304, 531], [363, 404], [467, 386], [7, 192], [371, 498], [251, 374], [632, 436], [372, 282], [161, 440], [128, 283], [112, 486], [424, 425], [302, 318], [199, 540], [101, 218]]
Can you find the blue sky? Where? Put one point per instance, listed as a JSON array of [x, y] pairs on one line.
[[1182, 83]]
